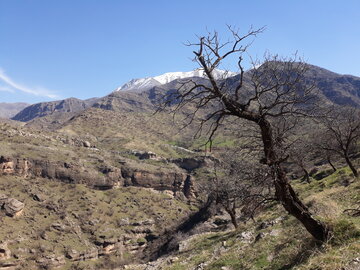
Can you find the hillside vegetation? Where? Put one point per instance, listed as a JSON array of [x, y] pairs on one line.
[[274, 240]]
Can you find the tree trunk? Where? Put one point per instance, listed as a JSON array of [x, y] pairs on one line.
[[284, 191], [349, 163], [330, 163], [306, 176], [293, 205], [232, 213]]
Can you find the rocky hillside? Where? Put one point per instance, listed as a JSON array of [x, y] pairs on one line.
[[106, 184], [70, 105], [83, 201], [274, 240]]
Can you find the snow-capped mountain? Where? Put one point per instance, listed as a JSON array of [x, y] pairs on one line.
[[147, 83]]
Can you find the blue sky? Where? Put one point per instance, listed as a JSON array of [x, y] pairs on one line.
[[86, 48]]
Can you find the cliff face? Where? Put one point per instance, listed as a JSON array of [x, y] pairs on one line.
[[107, 177]]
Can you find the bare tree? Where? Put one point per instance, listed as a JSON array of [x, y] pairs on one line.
[[275, 90], [300, 154], [342, 134], [239, 183]]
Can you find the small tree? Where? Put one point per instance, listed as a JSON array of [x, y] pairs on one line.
[[239, 183], [275, 90], [300, 154], [342, 134]]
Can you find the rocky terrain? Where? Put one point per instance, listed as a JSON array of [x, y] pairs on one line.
[[61, 186], [106, 184]]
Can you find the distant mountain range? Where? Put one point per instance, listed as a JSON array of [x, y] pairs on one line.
[[69, 105], [8, 110], [140, 95]]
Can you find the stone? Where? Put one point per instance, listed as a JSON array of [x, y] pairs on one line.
[[5, 253], [3, 199], [38, 197], [123, 222], [13, 207], [86, 144], [6, 165], [247, 236], [173, 259], [72, 254], [58, 226]]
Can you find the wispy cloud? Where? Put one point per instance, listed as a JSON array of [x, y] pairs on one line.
[[12, 86]]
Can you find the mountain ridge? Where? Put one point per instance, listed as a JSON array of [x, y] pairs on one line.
[[335, 88]]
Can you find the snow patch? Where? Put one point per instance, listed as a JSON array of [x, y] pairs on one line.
[[149, 82]]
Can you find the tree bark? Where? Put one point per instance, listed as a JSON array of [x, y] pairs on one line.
[[284, 191], [293, 205], [330, 163], [306, 175], [350, 164], [232, 213]]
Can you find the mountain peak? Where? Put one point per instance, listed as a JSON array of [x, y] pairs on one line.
[[149, 82]]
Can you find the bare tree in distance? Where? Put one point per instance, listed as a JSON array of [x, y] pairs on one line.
[[275, 90], [300, 154], [317, 139], [239, 183], [342, 134]]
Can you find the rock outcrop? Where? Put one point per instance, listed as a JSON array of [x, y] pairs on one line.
[[11, 206], [65, 172], [106, 177], [193, 163]]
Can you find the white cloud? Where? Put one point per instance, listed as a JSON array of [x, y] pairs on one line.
[[12, 86]]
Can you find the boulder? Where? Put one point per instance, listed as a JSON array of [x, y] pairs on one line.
[[13, 207], [86, 144]]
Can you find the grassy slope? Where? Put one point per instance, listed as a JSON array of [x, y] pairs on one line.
[[286, 245], [119, 131]]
